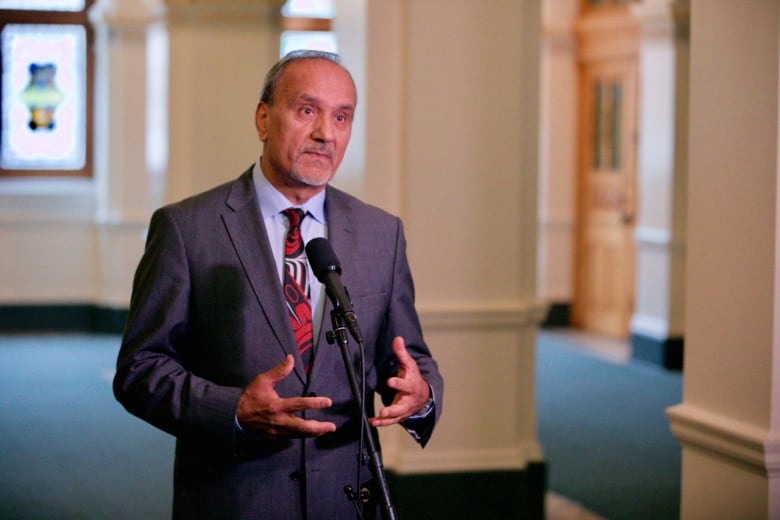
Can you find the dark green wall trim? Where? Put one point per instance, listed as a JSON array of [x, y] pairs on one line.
[[667, 353], [559, 315], [62, 318], [495, 494]]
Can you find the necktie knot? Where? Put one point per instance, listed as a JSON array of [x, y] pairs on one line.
[[295, 216], [293, 247]]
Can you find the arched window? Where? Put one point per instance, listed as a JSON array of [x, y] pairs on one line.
[[45, 88], [308, 25]]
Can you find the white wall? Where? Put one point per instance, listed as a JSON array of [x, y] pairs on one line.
[[661, 174]]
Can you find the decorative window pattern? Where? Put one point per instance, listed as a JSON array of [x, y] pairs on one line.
[[45, 88], [606, 138]]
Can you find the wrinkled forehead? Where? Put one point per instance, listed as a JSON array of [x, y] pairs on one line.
[[319, 79]]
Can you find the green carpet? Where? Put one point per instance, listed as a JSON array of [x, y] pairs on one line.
[[604, 432], [68, 450]]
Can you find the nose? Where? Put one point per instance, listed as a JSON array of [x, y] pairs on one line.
[[323, 129]]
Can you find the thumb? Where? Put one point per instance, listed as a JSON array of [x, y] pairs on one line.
[[281, 370]]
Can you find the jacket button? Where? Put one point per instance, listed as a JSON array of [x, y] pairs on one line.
[[296, 476]]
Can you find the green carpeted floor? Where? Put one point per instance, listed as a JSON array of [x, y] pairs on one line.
[[604, 432], [69, 451]]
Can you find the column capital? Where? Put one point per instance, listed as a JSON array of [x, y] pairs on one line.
[[221, 11]]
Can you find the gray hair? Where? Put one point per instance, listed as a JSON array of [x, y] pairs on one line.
[[275, 73]]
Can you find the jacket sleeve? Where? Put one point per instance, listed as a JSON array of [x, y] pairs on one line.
[[402, 320], [151, 381]]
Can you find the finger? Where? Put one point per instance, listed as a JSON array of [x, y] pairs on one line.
[[403, 385], [394, 411], [316, 428], [299, 404], [295, 427], [388, 416], [404, 358], [379, 423]]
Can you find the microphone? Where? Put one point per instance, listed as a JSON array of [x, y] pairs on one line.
[[327, 269]]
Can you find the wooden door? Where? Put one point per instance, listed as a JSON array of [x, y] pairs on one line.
[[604, 278]]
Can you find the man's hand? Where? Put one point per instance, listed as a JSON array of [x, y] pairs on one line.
[[261, 411], [412, 392]]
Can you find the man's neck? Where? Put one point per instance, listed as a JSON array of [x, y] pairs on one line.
[[295, 191]]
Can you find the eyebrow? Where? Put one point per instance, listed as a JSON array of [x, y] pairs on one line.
[[308, 98]]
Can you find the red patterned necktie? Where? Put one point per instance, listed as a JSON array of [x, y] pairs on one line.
[[296, 286]]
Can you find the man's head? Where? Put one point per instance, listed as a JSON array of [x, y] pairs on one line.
[[304, 120]]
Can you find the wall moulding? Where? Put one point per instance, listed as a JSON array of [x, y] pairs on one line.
[[483, 315], [498, 458], [657, 238], [747, 445]]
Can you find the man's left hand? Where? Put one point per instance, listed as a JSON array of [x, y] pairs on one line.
[[412, 392]]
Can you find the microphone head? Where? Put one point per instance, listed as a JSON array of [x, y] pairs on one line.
[[322, 258]]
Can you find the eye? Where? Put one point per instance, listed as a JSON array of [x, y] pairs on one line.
[[307, 111]]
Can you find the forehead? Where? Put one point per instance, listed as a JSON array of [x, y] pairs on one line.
[[317, 79]]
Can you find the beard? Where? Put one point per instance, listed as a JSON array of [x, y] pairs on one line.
[[313, 171], [314, 180]]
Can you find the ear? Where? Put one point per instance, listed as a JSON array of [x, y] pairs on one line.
[[261, 121]]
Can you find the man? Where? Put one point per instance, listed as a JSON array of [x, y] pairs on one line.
[[211, 354]]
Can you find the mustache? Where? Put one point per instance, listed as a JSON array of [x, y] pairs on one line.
[[321, 149]]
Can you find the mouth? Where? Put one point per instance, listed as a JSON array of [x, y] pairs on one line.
[[321, 154]]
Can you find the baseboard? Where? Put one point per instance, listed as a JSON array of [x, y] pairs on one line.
[[62, 318], [667, 352], [559, 315], [491, 494]]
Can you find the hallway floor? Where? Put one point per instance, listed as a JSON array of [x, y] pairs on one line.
[[618, 351]]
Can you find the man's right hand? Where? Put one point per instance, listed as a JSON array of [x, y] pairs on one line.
[[261, 411]]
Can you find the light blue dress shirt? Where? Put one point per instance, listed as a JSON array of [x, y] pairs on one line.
[[272, 203]]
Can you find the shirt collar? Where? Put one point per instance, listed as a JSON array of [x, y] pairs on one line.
[[273, 202]]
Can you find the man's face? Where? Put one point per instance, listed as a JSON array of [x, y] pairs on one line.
[[306, 129]]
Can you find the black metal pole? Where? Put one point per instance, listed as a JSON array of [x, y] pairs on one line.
[[375, 461]]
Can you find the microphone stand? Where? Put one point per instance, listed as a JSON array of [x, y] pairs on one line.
[[339, 334]]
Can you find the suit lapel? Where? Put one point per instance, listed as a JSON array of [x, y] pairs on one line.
[[244, 225], [342, 239]]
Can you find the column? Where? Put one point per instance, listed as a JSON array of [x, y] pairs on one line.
[[728, 421], [452, 146]]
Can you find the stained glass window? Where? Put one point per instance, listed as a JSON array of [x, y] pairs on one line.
[[44, 88], [43, 122], [43, 5]]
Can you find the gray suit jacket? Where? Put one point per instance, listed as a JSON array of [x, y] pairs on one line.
[[207, 315]]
